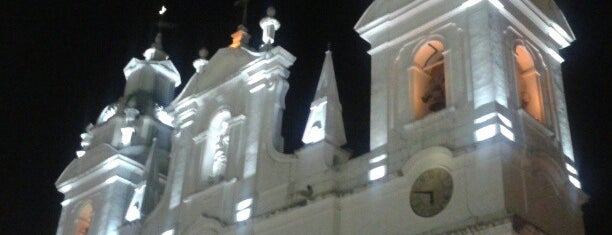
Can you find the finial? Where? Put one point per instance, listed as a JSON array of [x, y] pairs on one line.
[[200, 63], [271, 11], [269, 25], [329, 44], [203, 53]]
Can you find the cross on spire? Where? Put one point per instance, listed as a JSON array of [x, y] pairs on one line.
[[156, 51], [245, 5]]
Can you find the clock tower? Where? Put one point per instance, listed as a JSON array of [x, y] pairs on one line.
[[468, 107]]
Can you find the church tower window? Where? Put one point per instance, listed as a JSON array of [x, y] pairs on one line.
[[429, 79], [84, 219], [529, 87]]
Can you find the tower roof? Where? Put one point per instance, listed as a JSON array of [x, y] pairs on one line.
[[327, 81], [384, 10]]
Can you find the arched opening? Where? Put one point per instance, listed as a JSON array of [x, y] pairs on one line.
[[429, 79], [84, 219], [528, 83], [219, 142]]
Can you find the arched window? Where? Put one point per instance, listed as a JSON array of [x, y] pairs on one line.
[[529, 87], [84, 219], [429, 79], [218, 145]]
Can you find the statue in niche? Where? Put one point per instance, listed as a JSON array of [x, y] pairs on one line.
[[435, 97], [525, 99], [220, 155]]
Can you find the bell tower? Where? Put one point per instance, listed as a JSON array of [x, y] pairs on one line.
[[124, 155], [471, 92]]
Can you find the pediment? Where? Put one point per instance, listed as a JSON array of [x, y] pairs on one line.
[[224, 65]]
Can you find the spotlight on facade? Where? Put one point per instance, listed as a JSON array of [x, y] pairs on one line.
[[169, 232], [506, 132], [377, 173], [126, 135], [575, 181], [243, 209], [486, 132], [378, 159], [243, 215], [571, 169]]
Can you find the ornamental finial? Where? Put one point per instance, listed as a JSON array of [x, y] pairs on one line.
[[271, 11], [200, 63], [203, 53], [269, 25]]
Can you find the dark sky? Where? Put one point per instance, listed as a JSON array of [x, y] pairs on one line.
[[62, 63]]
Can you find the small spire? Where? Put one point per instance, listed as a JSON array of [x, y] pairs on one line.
[[325, 118], [329, 45], [269, 25], [327, 81]]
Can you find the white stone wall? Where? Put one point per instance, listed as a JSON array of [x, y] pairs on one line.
[[517, 170]]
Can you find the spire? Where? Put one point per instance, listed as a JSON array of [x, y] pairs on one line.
[[325, 118], [327, 81], [156, 51]]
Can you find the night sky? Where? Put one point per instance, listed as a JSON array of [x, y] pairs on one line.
[[62, 63]]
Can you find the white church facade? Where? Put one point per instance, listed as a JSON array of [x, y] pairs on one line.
[[468, 135]]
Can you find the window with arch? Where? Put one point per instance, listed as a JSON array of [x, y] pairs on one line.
[[429, 79], [83, 220], [529, 87], [219, 143]]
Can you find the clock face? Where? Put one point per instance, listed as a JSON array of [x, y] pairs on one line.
[[431, 192]]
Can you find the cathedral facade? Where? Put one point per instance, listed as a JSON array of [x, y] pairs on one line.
[[468, 135]]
